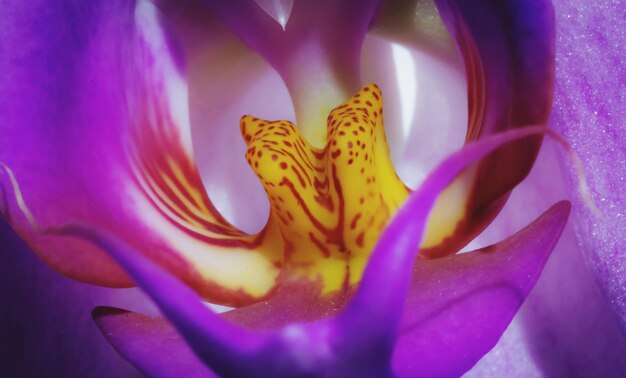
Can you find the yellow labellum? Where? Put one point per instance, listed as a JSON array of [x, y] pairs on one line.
[[331, 204]]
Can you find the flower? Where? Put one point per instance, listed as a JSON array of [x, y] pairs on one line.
[[80, 176]]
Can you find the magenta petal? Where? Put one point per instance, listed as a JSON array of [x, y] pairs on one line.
[[150, 343], [56, 81], [66, 116], [231, 351], [460, 305], [139, 338]]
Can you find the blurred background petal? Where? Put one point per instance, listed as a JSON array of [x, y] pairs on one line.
[[45, 327]]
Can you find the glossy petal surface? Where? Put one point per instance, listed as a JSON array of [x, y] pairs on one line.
[[570, 325], [615, 290], [565, 327]]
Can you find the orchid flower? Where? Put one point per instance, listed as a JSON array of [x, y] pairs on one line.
[[123, 147]]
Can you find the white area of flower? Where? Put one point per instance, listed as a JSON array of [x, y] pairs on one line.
[[279, 10], [407, 84]]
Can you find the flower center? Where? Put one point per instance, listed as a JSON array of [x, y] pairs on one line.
[[330, 204]]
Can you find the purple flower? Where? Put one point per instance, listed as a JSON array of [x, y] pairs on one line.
[[59, 85]]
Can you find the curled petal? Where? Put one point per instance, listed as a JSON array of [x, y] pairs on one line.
[[122, 148], [379, 300], [459, 306], [230, 350], [53, 88], [508, 53]]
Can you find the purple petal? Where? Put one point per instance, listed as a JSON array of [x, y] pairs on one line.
[[150, 343], [141, 339], [589, 112], [52, 87], [460, 305], [228, 349], [565, 327], [373, 314]]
